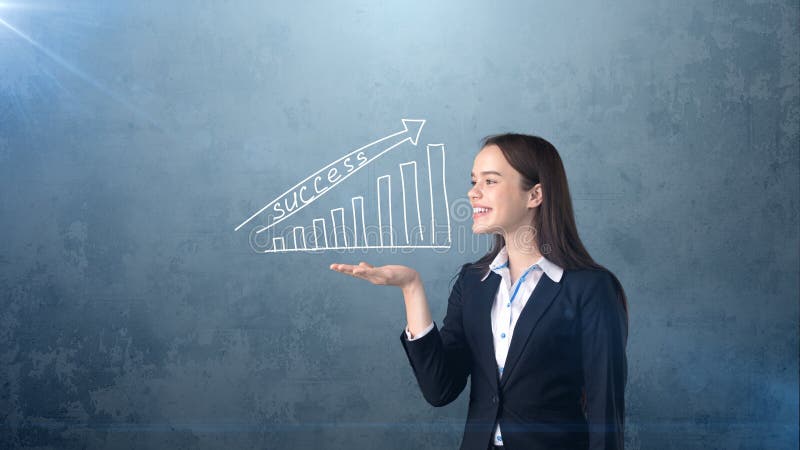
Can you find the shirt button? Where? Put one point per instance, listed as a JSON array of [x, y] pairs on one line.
[[503, 335], [494, 399], [500, 438], [508, 305]]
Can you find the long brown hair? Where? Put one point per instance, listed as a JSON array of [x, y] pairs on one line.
[[537, 160]]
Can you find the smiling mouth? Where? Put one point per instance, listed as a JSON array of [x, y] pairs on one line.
[[480, 212]]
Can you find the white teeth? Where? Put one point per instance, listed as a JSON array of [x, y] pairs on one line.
[[479, 210]]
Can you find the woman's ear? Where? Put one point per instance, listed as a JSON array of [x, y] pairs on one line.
[[535, 196]]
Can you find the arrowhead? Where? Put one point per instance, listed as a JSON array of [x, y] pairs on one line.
[[413, 128]]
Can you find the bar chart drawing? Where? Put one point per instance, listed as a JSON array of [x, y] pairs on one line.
[[382, 228], [439, 148], [360, 214], [413, 166], [349, 226]]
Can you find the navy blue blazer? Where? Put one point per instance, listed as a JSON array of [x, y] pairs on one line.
[[570, 335]]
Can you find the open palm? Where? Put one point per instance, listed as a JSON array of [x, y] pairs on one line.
[[390, 275]]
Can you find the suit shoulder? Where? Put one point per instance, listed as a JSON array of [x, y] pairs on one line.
[[465, 272], [587, 277], [594, 286], [472, 269]]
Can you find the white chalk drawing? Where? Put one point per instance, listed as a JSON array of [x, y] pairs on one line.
[[388, 197], [413, 165], [359, 234], [440, 148]]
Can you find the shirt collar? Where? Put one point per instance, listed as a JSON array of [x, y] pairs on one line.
[[500, 262]]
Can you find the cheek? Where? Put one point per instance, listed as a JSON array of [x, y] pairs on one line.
[[517, 212]]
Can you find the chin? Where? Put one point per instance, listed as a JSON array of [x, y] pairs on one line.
[[481, 229]]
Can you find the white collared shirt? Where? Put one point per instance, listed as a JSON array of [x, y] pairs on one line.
[[508, 304]]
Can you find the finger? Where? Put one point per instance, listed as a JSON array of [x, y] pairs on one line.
[[355, 271], [363, 271], [343, 268]]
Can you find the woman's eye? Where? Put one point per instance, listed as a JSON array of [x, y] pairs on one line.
[[487, 181]]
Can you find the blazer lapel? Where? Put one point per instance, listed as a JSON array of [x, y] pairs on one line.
[[486, 291], [541, 298]]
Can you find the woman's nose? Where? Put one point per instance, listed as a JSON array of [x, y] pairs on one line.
[[474, 192]]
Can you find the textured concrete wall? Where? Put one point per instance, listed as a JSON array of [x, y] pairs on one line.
[[134, 136]]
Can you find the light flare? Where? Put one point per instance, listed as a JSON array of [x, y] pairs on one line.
[[69, 66]]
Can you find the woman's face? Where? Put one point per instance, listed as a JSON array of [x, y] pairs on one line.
[[499, 203]]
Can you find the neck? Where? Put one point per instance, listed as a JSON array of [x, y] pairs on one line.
[[522, 251]]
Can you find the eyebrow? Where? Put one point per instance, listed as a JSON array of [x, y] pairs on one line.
[[487, 172]]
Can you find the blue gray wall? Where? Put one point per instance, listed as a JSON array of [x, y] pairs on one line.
[[134, 136]]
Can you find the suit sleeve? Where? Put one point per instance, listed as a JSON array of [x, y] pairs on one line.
[[441, 359], [604, 335]]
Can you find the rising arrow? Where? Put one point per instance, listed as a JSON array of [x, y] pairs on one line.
[[364, 155]]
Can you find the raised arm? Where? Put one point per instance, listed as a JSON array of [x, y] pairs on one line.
[[440, 360], [418, 314]]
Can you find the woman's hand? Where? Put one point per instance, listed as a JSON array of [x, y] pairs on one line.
[[418, 313], [391, 275]]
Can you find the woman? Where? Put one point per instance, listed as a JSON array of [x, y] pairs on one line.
[[538, 327]]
